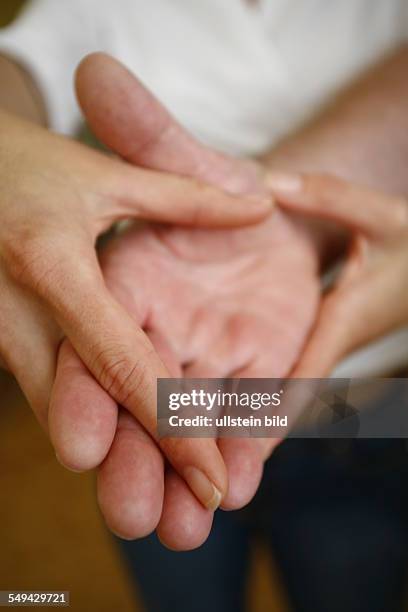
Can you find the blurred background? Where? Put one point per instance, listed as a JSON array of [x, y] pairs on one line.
[[52, 535], [8, 10]]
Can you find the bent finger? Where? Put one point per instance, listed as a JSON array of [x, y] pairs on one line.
[[359, 208], [168, 198]]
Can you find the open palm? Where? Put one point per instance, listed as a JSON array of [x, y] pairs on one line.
[[223, 303]]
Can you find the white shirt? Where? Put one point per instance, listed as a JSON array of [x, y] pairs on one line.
[[238, 77]]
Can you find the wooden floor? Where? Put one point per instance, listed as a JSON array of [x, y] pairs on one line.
[[52, 536]]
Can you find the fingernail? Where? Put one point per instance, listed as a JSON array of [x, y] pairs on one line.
[[203, 488], [284, 182]]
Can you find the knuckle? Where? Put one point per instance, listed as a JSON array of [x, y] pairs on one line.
[[120, 374]]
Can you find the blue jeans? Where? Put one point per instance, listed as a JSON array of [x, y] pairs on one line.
[[335, 516]]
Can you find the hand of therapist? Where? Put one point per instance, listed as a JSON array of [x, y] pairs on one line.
[[56, 197], [370, 297], [236, 303]]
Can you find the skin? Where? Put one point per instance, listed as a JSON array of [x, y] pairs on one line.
[[330, 143]]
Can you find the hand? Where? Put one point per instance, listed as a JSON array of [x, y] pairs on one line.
[[215, 304], [370, 297], [56, 197]]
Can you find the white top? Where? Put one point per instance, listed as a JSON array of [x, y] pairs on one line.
[[238, 77]]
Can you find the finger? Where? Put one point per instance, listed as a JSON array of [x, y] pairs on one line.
[[168, 198], [131, 481], [131, 121], [367, 302], [245, 457], [358, 208], [82, 415], [117, 353], [328, 341], [184, 523]]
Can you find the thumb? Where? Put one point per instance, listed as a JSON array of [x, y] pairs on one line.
[[127, 117], [167, 198]]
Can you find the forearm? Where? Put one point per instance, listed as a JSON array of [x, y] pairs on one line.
[[19, 94], [362, 136]]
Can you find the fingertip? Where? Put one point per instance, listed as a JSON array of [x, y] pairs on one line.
[[82, 430], [88, 65], [82, 427], [185, 524]]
